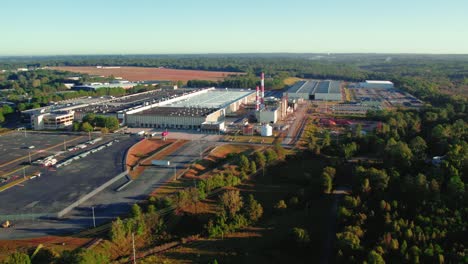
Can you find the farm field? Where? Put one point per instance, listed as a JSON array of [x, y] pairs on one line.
[[146, 74]]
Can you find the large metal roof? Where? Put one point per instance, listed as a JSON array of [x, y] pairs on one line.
[[313, 87], [303, 87], [212, 99]]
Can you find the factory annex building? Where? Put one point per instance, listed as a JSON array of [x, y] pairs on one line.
[[316, 90], [204, 110]]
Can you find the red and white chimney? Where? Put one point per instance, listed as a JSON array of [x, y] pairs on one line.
[[257, 102], [263, 87]]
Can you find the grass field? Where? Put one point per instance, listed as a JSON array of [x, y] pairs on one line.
[[250, 139], [146, 74], [291, 80], [54, 243]]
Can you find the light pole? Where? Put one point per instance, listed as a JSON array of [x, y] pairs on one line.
[[200, 146], [133, 245], [29, 155], [94, 219], [24, 173], [175, 172]]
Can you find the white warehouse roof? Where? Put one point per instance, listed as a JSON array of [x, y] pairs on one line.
[[378, 82]]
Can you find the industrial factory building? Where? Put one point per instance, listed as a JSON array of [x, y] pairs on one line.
[[376, 85], [328, 91], [316, 90], [53, 121], [204, 110], [97, 86]]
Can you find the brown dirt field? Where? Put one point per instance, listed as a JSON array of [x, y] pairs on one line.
[[147, 74], [147, 146], [51, 242], [140, 150]]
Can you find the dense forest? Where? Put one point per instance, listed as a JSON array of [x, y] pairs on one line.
[[409, 207], [423, 75]]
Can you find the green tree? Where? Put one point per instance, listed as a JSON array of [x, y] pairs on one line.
[[326, 183], [378, 178], [91, 257], [253, 166], [104, 130], [281, 205], [271, 156], [6, 109], [280, 151], [43, 256], [17, 258], [348, 150], [259, 159], [111, 123], [330, 171], [375, 258], [399, 153], [90, 118], [151, 209], [86, 127], [418, 147], [231, 201], [300, 235], [326, 141], [136, 211], [455, 186], [254, 209], [358, 131], [76, 126], [244, 163], [117, 231], [457, 155], [21, 106], [348, 240]]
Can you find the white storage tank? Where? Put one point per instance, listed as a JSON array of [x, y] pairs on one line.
[[266, 131]]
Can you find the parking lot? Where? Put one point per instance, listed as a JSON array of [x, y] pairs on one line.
[[363, 100], [58, 188], [386, 98], [18, 148]]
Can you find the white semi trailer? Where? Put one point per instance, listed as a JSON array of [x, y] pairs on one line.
[[161, 163]]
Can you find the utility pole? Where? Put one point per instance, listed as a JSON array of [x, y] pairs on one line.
[[94, 219], [133, 244], [263, 170], [200, 146]]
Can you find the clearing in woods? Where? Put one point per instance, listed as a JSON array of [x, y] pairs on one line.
[[147, 74]]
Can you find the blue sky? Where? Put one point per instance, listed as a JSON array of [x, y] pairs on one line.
[[57, 27]]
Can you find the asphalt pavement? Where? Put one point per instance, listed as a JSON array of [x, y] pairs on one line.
[[108, 204]]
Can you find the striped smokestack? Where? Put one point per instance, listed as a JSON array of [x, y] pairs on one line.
[[263, 87], [257, 103]]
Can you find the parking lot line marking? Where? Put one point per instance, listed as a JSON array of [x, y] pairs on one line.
[[40, 151]]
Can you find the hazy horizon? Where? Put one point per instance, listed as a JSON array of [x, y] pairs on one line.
[[182, 27]]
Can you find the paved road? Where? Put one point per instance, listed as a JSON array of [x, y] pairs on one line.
[[294, 129], [108, 204]]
